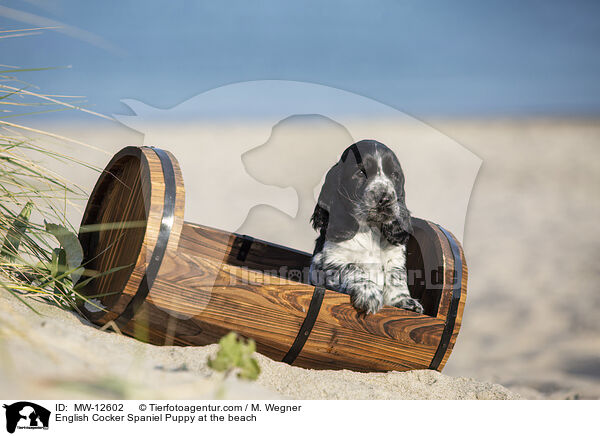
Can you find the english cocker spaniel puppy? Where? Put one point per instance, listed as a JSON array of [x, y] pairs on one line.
[[364, 226]]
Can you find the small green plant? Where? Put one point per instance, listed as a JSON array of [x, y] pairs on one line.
[[57, 272], [236, 354]]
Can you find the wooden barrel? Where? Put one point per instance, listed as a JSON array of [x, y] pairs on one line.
[[171, 282]]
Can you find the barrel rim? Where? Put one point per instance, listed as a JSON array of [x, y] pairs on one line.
[[154, 211], [159, 249], [457, 290]]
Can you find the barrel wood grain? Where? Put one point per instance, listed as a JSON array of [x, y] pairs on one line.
[[223, 297]]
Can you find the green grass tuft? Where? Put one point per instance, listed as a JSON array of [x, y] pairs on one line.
[[40, 255]]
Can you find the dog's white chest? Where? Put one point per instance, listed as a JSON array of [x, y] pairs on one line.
[[368, 249], [364, 247]]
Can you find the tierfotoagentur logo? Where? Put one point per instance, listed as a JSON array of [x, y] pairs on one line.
[[255, 154], [25, 415]]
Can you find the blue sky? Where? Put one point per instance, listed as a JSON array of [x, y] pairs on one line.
[[427, 58]]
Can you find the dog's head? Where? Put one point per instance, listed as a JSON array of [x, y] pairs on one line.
[[365, 187]]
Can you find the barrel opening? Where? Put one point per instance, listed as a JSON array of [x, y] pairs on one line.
[[421, 272], [113, 228]]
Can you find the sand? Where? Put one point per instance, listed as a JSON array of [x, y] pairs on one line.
[[532, 243], [531, 320], [59, 355]]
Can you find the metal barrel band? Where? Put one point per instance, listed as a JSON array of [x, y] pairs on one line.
[[166, 225], [453, 309], [246, 243], [307, 325]]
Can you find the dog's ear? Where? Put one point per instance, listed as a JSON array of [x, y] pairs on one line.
[[334, 211], [319, 218], [398, 231]]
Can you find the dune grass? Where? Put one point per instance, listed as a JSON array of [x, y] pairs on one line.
[[39, 252]]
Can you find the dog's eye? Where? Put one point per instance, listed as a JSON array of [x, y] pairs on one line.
[[360, 173]]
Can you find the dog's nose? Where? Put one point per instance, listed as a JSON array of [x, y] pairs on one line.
[[384, 200]]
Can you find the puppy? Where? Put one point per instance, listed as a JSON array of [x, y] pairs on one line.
[[364, 226]]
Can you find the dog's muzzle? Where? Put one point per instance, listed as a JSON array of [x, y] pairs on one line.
[[382, 204]]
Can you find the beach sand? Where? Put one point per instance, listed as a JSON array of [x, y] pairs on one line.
[[59, 355], [532, 242]]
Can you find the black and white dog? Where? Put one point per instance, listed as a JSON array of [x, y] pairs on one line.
[[364, 226]]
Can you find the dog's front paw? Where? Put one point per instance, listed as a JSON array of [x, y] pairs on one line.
[[366, 297], [409, 303]]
